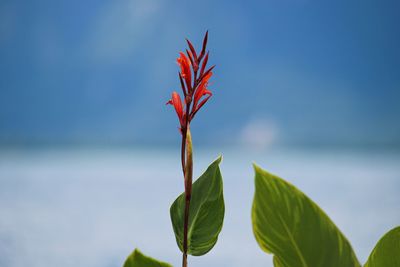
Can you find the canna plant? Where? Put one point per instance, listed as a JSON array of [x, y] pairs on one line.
[[292, 227], [197, 214], [286, 222]]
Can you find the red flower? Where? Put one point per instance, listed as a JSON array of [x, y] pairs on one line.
[[195, 91], [177, 103], [186, 72], [202, 91]]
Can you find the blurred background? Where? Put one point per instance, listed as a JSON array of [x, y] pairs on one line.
[[89, 153]]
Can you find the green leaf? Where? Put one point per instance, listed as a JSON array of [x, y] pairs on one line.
[[387, 252], [206, 212], [137, 259], [291, 226]]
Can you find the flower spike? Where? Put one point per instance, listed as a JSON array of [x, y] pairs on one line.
[[194, 84]]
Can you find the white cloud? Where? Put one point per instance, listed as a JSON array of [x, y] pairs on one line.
[[259, 133]]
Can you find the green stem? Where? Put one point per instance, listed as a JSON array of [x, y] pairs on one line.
[[188, 192]]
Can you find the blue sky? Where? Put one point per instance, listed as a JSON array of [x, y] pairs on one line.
[[288, 72]]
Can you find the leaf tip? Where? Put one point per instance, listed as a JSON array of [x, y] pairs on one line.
[[218, 160], [256, 167], [259, 170]]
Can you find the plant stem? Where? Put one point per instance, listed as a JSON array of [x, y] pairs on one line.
[[188, 173], [187, 167]]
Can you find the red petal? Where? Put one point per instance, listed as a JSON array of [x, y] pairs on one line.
[[207, 72], [192, 60], [202, 90], [203, 50], [177, 103], [203, 66], [198, 95], [192, 49], [184, 63], [182, 84], [203, 102], [206, 77], [199, 106]]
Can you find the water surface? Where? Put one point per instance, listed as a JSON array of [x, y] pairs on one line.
[[92, 207]]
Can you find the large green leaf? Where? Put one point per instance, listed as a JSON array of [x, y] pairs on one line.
[[137, 259], [387, 252], [291, 226], [206, 212]]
